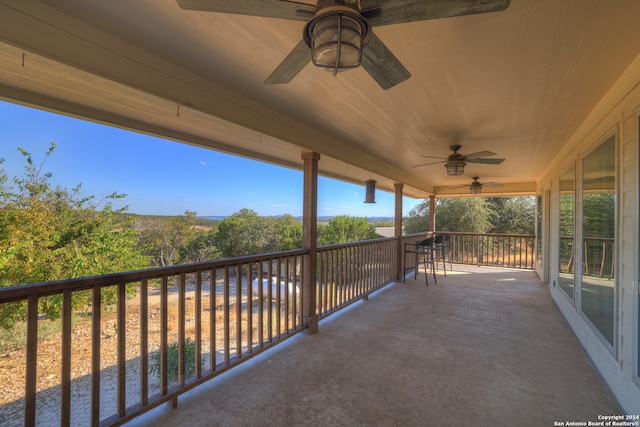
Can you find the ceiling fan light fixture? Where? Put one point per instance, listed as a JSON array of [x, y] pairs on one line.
[[455, 167], [336, 36], [475, 188]]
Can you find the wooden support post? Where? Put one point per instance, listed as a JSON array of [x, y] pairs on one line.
[[432, 214], [398, 228], [309, 240]]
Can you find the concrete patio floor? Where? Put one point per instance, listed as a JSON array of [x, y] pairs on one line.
[[482, 347]]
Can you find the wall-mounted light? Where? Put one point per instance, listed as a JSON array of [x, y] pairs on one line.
[[336, 35], [370, 194]]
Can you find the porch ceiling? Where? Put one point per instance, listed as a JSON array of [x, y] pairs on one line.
[[517, 83]]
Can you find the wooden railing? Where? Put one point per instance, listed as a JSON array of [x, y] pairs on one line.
[[597, 256], [171, 329], [501, 250], [347, 273]]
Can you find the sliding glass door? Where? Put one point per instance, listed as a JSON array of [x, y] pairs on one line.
[[567, 232], [598, 231]]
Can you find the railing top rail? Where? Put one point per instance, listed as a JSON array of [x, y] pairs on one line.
[[601, 239], [359, 243], [16, 293], [457, 233], [417, 234]]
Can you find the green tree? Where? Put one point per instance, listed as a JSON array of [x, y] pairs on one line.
[[466, 215], [599, 211], [513, 215], [165, 237], [418, 219], [200, 248], [289, 232], [52, 233], [345, 229], [246, 233]]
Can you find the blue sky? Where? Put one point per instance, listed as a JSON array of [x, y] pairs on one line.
[[163, 177]]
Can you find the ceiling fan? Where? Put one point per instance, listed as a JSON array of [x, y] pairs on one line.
[[476, 187], [456, 162], [338, 35]]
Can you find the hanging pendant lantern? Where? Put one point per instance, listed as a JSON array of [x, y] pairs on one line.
[[370, 195]]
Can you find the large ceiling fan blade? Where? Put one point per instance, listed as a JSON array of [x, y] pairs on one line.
[[297, 59], [269, 8], [492, 184], [435, 157], [479, 154], [485, 161], [398, 11], [427, 164], [382, 65]]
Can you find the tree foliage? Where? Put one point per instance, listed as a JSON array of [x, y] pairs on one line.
[[164, 238], [598, 215], [247, 233], [344, 229], [466, 215], [503, 215], [418, 219], [51, 233], [201, 248], [513, 215]]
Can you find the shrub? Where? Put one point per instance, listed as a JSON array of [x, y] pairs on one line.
[[172, 360]]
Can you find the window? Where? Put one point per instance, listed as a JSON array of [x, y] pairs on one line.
[[598, 231], [567, 232], [539, 228]]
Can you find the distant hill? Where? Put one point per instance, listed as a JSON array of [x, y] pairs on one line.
[[375, 219]]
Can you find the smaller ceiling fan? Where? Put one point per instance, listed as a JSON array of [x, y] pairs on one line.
[[456, 162], [476, 187]]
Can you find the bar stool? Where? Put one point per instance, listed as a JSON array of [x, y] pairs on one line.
[[425, 249]]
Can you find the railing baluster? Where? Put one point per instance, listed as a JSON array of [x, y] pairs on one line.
[[286, 296], [227, 316], [332, 279], [31, 362], [328, 281], [249, 307], [238, 310], [96, 310], [65, 386], [181, 327], [122, 356], [144, 342], [295, 282], [260, 304], [164, 316], [270, 299], [343, 275], [278, 299], [213, 311], [198, 322]]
